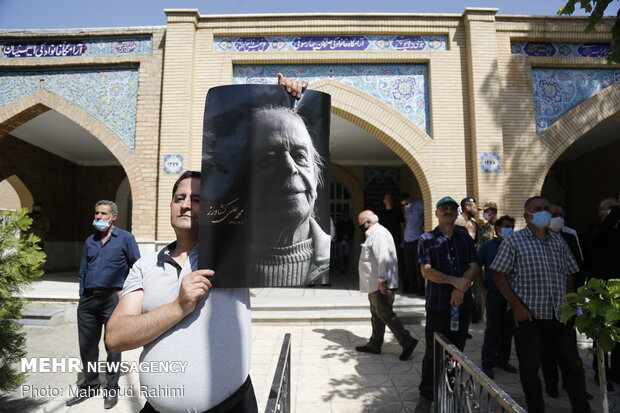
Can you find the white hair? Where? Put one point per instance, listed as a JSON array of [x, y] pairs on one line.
[[370, 217], [319, 164]]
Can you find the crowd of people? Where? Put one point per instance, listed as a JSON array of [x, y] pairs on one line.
[[464, 267], [518, 278]]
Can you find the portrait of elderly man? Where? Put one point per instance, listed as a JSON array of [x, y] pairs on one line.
[[287, 245]]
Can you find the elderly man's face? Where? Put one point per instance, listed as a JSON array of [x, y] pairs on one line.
[[283, 168]]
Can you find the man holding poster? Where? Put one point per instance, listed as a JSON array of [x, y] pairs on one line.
[[168, 306]]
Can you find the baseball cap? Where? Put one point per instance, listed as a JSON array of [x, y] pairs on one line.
[[490, 205], [446, 200]]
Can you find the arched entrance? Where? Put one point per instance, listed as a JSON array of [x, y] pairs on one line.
[[14, 194], [68, 160], [389, 127], [580, 167]]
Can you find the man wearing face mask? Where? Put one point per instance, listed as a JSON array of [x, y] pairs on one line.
[[498, 333], [489, 214], [549, 363], [108, 255], [378, 271], [533, 270]]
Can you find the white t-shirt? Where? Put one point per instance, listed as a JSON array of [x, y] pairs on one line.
[[214, 340]]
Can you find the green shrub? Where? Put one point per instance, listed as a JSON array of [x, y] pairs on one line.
[[20, 264]]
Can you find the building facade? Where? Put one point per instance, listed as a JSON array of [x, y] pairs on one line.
[[478, 104]]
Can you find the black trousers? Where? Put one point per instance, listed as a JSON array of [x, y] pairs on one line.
[[93, 312], [498, 332], [529, 339], [241, 401], [439, 321], [413, 280], [382, 314]]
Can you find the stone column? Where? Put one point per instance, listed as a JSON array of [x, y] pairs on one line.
[[485, 103]]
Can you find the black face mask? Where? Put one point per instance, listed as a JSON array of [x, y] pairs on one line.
[[363, 228]]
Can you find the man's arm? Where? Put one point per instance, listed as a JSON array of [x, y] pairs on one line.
[[519, 311], [460, 283], [129, 328], [133, 252]]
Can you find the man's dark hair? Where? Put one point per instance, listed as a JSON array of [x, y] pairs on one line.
[[500, 221], [532, 199], [184, 175], [466, 201], [37, 204]]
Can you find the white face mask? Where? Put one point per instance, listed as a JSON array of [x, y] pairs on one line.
[[486, 216], [556, 224]]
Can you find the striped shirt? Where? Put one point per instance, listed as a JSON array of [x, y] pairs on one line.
[[536, 270]]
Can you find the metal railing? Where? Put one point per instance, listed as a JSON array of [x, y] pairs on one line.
[[280, 394], [460, 386]]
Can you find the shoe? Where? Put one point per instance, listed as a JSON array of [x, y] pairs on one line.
[[408, 350], [552, 391], [469, 335], [77, 399], [489, 372], [110, 401], [423, 406], [366, 349], [589, 396], [507, 367]]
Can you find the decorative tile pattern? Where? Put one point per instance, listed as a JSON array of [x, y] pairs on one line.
[[173, 164], [328, 43], [556, 91], [489, 162], [110, 96], [545, 49], [404, 87], [136, 46]]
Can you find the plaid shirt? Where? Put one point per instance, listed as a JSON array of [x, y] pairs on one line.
[[536, 270], [451, 256]]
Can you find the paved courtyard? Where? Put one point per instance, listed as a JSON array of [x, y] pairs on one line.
[[328, 375]]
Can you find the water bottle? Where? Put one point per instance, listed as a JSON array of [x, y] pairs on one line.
[[454, 318]]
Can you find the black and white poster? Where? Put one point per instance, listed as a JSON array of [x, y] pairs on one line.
[[264, 219]]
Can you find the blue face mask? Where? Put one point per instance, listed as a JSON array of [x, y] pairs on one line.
[[541, 219], [101, 225], [504, 232]]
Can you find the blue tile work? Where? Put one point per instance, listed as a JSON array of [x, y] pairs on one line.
[[560, 49], [403, 87], [110, 96], [556, 91], [72, 47], [328, 43]]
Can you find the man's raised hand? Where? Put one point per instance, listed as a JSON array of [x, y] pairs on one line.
[[294, 87]]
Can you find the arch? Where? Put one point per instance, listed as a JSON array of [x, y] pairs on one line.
[[352, 184], [36, 103], [386, 124], [573, 125], [21, 190], [123, 201]]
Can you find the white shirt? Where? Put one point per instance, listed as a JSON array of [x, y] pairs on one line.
[[573, 232], [378, 260]]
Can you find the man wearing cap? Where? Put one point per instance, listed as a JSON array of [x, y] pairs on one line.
[[467, 218], [489, 214], [447, 257]]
